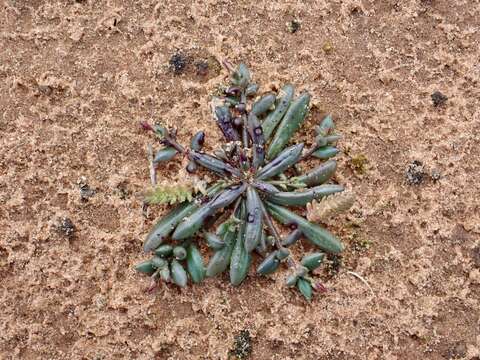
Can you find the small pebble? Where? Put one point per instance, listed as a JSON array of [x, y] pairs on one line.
[[85, 191], [45, 89], [327, 47], [435, 175]]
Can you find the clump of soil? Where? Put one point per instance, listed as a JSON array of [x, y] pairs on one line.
[[242, 346], [66, 227], [439, 99], [476, 256], [293, 26], [415, 173], [202, 67], [178, 63], [86, 191]]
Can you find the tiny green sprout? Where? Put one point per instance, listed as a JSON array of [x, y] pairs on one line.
[[257, 180]]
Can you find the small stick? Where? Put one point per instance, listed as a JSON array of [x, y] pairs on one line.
[[153, 282], [359, 277], [228, 65], [243, 100], [278, 240], [237, 204], [169, 140], [153, 173], [245, 136], [271, 226], [153, 285], [245, 132]]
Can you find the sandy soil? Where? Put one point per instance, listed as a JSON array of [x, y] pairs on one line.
[[77, 76]]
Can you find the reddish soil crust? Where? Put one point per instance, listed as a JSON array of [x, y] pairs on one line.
[[77, 76]]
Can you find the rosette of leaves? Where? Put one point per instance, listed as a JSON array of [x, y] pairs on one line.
[[257, 187]]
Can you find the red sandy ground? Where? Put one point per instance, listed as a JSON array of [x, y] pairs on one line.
[[77, 76]]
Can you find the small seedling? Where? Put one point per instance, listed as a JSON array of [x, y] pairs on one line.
[[254, 184]]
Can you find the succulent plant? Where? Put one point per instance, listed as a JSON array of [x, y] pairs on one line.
[[256, 181]]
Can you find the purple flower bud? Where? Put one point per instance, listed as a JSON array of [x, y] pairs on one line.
[[241, 108], [191, 167], [146, 126], [237, 122], [233, 91], [293, 226], [201, 139]]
